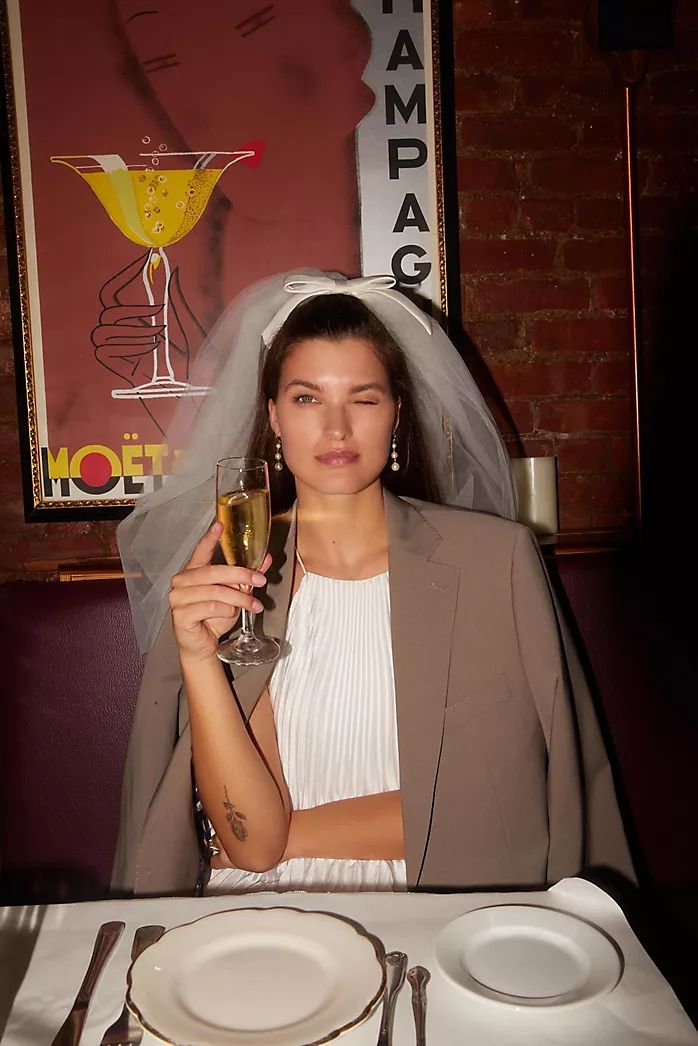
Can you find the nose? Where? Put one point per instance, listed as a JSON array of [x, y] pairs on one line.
[[337, 424]]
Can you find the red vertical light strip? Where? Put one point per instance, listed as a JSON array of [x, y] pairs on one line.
[[633, 278]]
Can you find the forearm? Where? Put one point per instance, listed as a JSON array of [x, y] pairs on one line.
[[365, 828], [238, 792]]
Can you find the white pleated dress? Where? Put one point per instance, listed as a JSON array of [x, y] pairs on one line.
[[333, 696]]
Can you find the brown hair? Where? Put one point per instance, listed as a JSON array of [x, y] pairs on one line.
[[337, 316]]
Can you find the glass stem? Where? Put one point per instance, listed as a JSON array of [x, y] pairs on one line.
[[156, 280], [165, 315], [247, 630], [247, 618]]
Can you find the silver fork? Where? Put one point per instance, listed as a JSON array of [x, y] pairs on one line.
[[127, 1029]]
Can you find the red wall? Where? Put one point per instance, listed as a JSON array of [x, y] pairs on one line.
[[540, 176]]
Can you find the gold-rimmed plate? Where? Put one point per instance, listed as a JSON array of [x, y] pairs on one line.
[[257, 975]]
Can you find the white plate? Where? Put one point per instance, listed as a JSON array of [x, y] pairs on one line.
[[257, 975], [522, 955]]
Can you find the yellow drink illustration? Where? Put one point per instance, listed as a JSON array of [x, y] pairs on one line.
[[154, 204], [154, 208]]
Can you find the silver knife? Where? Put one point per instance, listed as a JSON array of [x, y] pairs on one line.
[[395, 966], [71, 1029], [126, 1029], [418, 977]]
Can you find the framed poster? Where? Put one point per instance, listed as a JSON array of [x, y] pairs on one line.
[[157, 164]]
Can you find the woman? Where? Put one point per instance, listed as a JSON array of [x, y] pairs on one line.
[[428, 724]]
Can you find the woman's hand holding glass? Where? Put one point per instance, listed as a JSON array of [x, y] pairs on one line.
[[206, 598]]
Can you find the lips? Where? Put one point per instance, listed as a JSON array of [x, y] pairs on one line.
[[337, 458]]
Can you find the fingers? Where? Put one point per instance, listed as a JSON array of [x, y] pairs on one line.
[[205, 590], [109, 294], [192, 331], [190, 617], [142, 313], [203, 551], [218, 574], [208, 596], [207, 573], [128, 339], [211, 595]]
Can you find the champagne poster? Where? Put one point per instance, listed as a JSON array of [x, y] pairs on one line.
[[162, 158]]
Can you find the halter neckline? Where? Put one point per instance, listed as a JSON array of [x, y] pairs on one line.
[[303, 567], [341, 580]]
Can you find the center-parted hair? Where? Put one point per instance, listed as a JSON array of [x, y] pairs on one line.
[[335, 317]]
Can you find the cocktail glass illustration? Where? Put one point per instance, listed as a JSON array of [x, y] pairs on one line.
[[155, 203]]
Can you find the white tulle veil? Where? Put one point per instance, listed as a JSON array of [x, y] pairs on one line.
[[466, 450]]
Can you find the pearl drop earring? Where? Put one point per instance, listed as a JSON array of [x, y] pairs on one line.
[[278, 456], [395, 464]]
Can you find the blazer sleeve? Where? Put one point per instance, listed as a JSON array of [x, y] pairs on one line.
[[584, 821], [151, 744]]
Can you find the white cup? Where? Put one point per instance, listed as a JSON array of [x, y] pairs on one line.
[[536, 485]]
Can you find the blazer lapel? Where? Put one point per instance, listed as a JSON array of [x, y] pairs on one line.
[[423, 595]]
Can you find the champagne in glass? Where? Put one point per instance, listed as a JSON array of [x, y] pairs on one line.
[[246, 521], [242, 506]]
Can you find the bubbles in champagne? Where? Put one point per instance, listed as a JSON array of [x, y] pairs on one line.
[[246, 521]]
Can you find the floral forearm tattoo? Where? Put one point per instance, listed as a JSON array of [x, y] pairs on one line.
[[235, 818]]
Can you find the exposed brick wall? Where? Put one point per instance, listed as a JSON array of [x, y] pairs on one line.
[[540, 127], [542, 249]]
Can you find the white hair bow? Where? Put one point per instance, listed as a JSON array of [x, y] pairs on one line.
[[302, 287]]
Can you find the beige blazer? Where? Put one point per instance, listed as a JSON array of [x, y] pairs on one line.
[[503, 774]]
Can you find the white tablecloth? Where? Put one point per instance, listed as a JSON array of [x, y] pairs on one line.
[[53, 945]]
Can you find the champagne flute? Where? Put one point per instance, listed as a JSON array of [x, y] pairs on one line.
[[242, 506]]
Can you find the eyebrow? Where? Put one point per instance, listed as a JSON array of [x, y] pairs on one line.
[[369, 386], [302, 384]]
